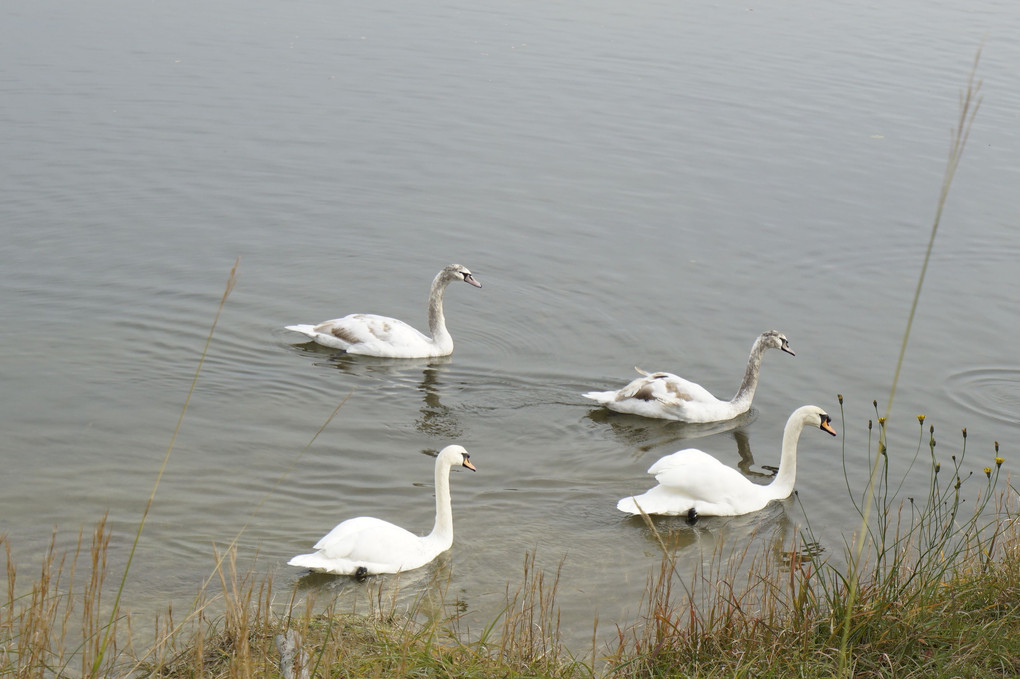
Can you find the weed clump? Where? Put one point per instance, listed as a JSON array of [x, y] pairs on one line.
[[936, 595]]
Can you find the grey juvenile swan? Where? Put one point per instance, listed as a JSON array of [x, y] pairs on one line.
[[372, 335], [666, 396]]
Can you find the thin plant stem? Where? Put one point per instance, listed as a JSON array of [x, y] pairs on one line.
[[970, 102], [229, 550], [231, 281], [276, 485]]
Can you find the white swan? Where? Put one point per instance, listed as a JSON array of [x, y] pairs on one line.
[[694, 483], [666, 396], [372, 335], [366, 545]]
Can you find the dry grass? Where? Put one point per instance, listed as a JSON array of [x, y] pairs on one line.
[[55, 625]]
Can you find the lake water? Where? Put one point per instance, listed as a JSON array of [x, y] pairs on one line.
[[650, 184]]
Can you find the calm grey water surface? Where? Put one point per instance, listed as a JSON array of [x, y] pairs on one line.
[[647, 184]]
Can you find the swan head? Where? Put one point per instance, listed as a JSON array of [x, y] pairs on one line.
[[456, 272], [815, 417], [773, 339], [455, 456]]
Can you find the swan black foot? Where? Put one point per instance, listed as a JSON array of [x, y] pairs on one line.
[[692, 515], [361, 574]]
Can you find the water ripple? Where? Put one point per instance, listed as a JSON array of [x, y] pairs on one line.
[[994, 392]]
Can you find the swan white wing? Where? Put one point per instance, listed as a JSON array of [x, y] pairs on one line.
[[656, 500], [371, 335], [664, 388], [369, 332], [692, 479], [670, 388], [672, 496], [702, 478], [683, 459], [650, 394], [368, 539], [366, 542]]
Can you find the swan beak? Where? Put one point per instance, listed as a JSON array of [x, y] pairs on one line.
[[787, 349], [827, 425], [468, 278], [467, 463]]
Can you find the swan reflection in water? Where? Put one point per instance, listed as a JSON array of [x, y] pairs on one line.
[[435, 419], [425, 588], [729, 547], [747, 458], [709, 533], [648, 434]]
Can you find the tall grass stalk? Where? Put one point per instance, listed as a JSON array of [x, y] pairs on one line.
[[970, 102], [231, 281], [199, 604], [43, 628]]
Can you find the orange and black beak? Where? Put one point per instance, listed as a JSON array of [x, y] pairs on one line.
[[467, 462], [827, 425]]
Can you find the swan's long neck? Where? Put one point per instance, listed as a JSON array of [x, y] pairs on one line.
[[782, 485], [442, 532], [437, 322], [746, 391]]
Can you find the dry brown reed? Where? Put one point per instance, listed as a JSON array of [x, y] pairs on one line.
[[531, 620], [56, 622]]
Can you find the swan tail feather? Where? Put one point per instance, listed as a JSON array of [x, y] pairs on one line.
[[628, 505], [303, 329], [316, 562], [653, 502]]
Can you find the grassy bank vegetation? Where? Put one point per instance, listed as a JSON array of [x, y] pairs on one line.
[[937, 595]]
